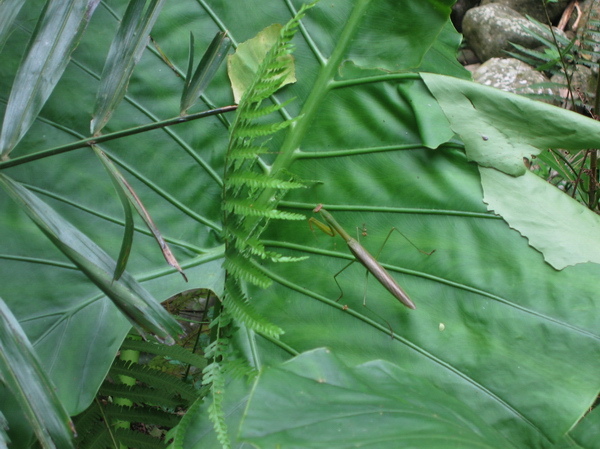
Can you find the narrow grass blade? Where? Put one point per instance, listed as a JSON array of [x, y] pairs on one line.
[[22, 373], [128, 196], [142, 310], [56, 35], [127, 242], [210, 63], [8, 12], [125, 52]]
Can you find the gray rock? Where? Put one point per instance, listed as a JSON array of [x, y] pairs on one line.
[[459, 10], [489, 29], [511, 75], [533, 8], [583, 84]]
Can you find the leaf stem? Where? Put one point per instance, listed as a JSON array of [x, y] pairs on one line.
[[324, 83], [112, 136]]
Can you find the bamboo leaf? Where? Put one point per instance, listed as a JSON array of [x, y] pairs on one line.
[[8, 12], [56, 35], [125, 52], [210, 63], [23, 374], [142, 310], [128, 196], [127, 241]]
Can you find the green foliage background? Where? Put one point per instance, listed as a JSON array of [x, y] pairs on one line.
[[499, 331]]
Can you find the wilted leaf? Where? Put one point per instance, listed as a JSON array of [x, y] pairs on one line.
[[242, 65]]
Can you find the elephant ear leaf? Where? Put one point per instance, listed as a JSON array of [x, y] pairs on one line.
[[350, 396], [564, 231]]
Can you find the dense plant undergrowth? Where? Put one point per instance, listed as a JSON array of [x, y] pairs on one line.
[[566, 60]]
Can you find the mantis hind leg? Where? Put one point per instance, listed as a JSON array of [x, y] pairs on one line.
[[364, 233], [336, 281], [407, 239], [364, 296], [371, 310]]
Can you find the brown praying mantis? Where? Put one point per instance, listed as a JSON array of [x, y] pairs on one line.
[[362, 255]]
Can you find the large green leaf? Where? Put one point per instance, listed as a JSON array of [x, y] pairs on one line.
[[495, 327], [481, 116], [323, 403]]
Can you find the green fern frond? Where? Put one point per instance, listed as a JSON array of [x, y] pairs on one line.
[[99, 432], [138, 440], [139, 394], [155, 398], [245, 218], [276, 257], [87, 418], [240, 309], [215, 409], [177, 433], [249, 152], [156, 378], [257, 180], [257, 248], [244, 243], [250, 198], [144, 415], [243, 207], [214, 378], [253, 114], [175, 352], [242, 268], [266, 129], [239, 368], [101, 438]]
